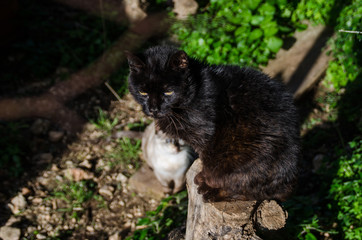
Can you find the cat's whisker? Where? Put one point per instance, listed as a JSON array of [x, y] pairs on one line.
[[169, 124], [170, 117], [179, 118]]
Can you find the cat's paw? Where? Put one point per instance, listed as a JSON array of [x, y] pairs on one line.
[[212, 195], [199, 179], [203, 189]]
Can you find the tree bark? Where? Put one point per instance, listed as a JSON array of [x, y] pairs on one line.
[[228, 220]]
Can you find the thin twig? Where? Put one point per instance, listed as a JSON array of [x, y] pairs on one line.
[[348, 31], [114, 92]]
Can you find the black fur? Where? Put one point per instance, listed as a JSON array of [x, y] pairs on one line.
[[242, 124]]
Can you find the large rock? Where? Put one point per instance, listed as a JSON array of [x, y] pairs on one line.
[[145, 182], [9, 233]]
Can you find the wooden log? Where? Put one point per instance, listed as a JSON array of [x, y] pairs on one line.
[[228, 220]]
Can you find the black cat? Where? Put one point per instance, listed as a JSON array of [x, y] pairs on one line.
[[242, 124]]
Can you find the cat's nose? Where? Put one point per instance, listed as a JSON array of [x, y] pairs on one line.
[[154, 111]]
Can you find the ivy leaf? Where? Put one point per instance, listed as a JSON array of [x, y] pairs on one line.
[[282, 3], [266, 9], [253, 4], [255, 34], [270, 28], [274, 44], [256, 20], [246, 15], [285, 29], [242, 31]]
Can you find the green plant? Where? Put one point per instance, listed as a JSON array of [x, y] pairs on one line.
[[346, 191], [104, 123], [318, 11], [126, 153], [76, 195], [310, 228], [238, 32], [346, 47], [170, 214]]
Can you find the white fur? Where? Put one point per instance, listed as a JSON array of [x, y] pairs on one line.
[[168, 160]]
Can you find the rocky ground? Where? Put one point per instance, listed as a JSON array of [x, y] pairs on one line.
[[82, 191]]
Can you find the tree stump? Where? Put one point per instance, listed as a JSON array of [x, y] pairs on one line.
[[228, 220]]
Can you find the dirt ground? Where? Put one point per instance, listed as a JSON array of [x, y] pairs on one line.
[[39, 203]]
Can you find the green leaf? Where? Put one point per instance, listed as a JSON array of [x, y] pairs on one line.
[[246, 15], [274, 44], [282, 2], [285, 29], [255, 34], [270, 28], [266, 9], [143, 221], [310, 236], [241, 31], [253, 4], [256, 20], [286, 13]]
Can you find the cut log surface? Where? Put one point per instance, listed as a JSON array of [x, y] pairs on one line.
[[228, 220]]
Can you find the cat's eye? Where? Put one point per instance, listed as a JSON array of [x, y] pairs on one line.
[[168, 93], [143, 93]]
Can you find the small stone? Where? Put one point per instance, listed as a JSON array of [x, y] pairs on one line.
[[114, 236], [121, 178], [90, 229], [55, 136], [54, 168], [30, 229], [9, 233], [69, 164], [17, 204], [86, 164], [25, 191], [40, 236], [42, 181], [78, 174], [107, 168], [106, 191], [37, 201], [98, 226]]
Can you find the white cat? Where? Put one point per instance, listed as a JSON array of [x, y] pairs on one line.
[[169, 158]]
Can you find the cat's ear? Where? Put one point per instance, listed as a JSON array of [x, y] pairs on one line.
[[135, 64], [179, 61]]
